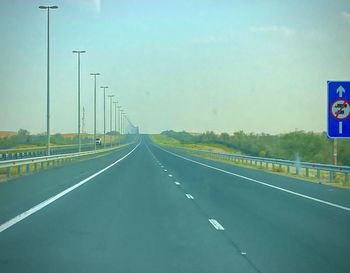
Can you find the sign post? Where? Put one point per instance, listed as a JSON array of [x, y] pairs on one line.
[[338, 112]]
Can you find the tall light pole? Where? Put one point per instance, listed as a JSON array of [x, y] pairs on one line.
[[110, 118], [119, 129], [79, 138], [123, 122], [115, 116], [128, 124], [104, 115], [48, 78], [95, 75]]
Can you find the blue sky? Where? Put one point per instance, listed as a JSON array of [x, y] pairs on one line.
[[257, 66]]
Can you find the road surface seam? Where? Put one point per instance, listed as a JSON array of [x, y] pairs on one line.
[[50, 200], [215, 223]]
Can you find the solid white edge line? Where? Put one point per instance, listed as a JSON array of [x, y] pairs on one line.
[[170, 175], [263, 183], [43, 204], [177, 183], [216, 224]]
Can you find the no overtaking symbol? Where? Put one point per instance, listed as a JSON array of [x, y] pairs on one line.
[[340, 109]]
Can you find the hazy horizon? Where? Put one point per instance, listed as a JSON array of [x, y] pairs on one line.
[[197, 66], [155, 133]]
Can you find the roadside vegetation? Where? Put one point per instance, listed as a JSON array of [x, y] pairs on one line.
[[24, 140], [169, 141], [308, 146]]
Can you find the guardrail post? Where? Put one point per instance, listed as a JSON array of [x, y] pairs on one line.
[[27, 168], [307, 172], [331, 176], [18, 169], [346, 178], [8, 172], [35, 167], [288, 169], [318, 175]]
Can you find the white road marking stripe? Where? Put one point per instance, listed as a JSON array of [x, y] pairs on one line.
[[177, 183], [170, 175], [45, 203], [189, 196], [263, 183], [216, 224], [165, 170]]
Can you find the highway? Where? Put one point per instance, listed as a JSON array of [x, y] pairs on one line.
[[149, 209]]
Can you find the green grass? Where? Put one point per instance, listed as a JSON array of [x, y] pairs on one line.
[[165, 140], [211, 147]]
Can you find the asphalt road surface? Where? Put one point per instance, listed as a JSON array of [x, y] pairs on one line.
[[146, 209]]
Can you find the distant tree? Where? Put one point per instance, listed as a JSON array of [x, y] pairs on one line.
[[22, 137]]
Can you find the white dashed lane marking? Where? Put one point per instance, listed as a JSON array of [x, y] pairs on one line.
[[216, 224], [189, 196]]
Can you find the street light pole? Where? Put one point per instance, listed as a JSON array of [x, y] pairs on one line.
[[104, 115], [79, 138], [123, 122], [110, 119], [119, 120], [115, 116], [95, 75], [48, 78]]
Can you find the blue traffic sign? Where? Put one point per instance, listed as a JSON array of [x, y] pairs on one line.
[[338, 109]]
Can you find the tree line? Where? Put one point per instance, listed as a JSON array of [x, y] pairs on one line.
[[23, 137], [309, 146]]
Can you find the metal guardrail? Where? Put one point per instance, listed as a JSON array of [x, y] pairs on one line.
[[289, 164], [41, 151], [23, 165]]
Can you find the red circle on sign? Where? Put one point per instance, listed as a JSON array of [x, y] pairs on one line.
[[344, 102]]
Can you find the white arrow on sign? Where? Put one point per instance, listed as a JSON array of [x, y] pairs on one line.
[[340, 91], [340, 127]]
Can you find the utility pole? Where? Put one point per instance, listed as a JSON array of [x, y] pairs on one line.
[[48, 79], [104, 115]]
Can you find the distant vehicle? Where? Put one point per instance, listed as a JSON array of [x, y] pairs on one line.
[[98, 141]]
